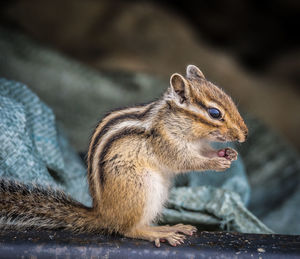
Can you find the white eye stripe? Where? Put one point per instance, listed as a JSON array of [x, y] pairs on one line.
[[197, 109], [214, 105]]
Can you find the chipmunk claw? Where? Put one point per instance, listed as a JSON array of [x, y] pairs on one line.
[[185, 229], [221, 163], [231, 154]]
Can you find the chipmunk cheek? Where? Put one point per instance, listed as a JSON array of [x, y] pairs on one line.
[[217, 136]]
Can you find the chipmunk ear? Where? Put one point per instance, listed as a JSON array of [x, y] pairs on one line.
[[194, 72], [179, 86]]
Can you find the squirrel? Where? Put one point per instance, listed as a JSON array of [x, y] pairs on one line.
[[133, 155]]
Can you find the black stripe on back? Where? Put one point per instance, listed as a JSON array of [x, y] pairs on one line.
[[115, 121], [111, 140]]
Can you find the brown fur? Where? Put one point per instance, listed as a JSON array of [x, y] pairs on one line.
[[133, 154]]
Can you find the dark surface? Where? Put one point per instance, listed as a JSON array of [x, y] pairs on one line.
[[58, 244]]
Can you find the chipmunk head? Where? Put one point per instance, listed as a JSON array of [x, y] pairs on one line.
[[208, 111]]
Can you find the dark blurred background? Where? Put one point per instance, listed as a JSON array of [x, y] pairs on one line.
[[250, 48]]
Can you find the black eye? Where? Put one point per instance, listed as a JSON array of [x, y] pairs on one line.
[[214, 113]]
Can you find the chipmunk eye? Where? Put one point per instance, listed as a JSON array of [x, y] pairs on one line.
[[214, 113]]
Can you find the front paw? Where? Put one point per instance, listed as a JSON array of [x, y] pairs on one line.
[[228, 153], [220, 163]]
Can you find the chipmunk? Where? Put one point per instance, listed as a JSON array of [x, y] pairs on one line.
[[133, 154]]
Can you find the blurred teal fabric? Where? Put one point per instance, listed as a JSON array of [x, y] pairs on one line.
[[33, 148]]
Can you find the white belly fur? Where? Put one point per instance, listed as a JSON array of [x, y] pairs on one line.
[[156, 195]]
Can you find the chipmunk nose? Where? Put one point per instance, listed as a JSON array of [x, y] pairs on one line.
[[242, 139], [243, 136], [239, 134]]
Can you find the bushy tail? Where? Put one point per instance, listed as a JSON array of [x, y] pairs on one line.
[[28, 206]]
